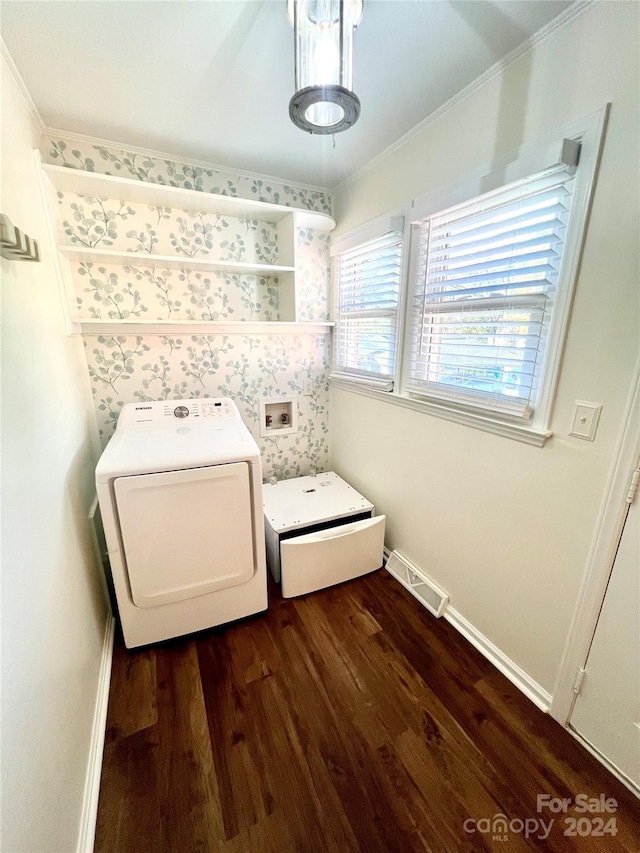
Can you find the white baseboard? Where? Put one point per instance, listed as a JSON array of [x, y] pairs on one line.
[[531, 689], [94, 767], [622, 777]]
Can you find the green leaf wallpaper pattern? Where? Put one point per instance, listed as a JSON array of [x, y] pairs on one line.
[[93, 222], [143, 291], [98, 223], [79, 154], [127, 369], [313, 265]]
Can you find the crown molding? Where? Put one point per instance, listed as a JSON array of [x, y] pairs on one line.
[[68, 135], [570, 14], [22, 88]]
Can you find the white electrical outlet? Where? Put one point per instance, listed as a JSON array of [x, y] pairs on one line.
[[308, 387]]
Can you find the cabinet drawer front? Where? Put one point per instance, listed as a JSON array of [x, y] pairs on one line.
[[328, 557]]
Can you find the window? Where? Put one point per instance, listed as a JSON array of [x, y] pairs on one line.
[[485, 278], [482, 316], [366, 310]]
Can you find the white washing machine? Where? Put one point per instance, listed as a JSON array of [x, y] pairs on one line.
[[180, 491]]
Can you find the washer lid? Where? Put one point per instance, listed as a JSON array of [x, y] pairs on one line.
[[175, 446], [304, 501]]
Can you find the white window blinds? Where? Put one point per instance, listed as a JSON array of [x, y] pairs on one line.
[[484, 280], [366, 315]]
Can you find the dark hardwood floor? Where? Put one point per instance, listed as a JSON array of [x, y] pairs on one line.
[[347, 720]]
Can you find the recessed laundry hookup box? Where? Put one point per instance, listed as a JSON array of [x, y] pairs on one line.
[[319, 532]]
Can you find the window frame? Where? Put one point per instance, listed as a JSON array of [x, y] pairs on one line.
[[527, 160]]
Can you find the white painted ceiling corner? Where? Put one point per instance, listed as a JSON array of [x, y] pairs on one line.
[[211, 81]]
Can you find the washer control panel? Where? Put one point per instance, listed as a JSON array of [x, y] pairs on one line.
[[174, 411]]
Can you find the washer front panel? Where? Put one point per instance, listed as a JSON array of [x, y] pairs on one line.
[[186, 533]]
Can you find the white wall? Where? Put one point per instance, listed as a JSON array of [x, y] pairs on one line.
[[53, 607], [505, 528]]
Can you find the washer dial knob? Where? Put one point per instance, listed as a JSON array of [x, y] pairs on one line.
[[181, 412]]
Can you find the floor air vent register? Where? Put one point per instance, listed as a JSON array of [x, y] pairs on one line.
[[423, 588]]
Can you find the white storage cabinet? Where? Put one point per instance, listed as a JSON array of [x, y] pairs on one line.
[[319, 532]]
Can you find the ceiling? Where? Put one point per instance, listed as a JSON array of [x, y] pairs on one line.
[[211, 79]]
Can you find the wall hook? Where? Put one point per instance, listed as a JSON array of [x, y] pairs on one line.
[[14, 244]]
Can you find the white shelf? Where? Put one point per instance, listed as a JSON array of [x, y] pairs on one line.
[[108, 256], [288, 219], [78, 181], [196, 327]]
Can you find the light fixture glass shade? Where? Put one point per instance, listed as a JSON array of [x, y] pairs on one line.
[[324, 101]]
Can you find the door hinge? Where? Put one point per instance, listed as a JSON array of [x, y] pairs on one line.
[[577, 684], [633, 485]]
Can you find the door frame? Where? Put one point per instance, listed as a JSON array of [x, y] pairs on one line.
[[609, 526]]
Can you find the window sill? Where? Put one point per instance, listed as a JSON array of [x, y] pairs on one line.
[[526, 435]]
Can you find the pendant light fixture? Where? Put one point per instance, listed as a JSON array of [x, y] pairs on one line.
[[324, 101]]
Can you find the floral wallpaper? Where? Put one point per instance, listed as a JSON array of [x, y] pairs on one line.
[[146, 229], [78, 154], [313, 265], [146, 292], [127, 369], [246, 367]]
